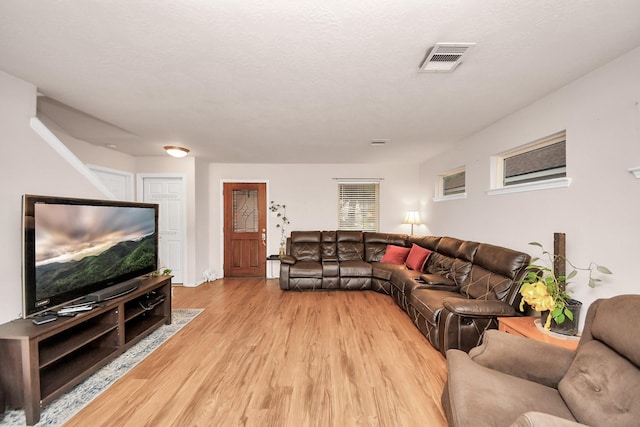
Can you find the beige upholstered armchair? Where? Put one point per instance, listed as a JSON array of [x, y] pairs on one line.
[[515, 381]]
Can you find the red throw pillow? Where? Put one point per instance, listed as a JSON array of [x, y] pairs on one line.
[[417, 257], [395, 254]]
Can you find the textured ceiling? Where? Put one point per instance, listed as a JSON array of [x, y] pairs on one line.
[[299, 81]]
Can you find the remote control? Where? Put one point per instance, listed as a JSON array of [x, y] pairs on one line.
[[65, 310], [68, 314], [46, 318]]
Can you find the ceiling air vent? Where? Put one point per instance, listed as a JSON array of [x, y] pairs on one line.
[[445, 57]]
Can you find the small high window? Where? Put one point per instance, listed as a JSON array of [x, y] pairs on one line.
[[541, 164], [543, 160], [451, 185]]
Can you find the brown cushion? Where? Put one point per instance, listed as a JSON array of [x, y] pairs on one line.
[[484, 284], [482, 397], [601, 387], [384, 271], [606, 327], [355, 269], [306, 269], [305, 245]]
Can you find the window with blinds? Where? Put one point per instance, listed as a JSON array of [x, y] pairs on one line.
[[358, 206], [453, 183], [540, 161]]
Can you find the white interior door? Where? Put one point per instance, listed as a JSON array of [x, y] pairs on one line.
[[168, 193], [118, 182]]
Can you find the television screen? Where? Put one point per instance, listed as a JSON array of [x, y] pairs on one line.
[[74, 247]]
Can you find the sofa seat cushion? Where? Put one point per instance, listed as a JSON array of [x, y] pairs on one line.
[[472, 389], [355, 269], [601, 387], [309, 269], [384, 271], [429, 302], [400, 276]]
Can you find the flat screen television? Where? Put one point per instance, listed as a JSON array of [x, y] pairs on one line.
[[75, 249]]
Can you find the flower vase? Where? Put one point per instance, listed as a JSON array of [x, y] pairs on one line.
[[568, 327]]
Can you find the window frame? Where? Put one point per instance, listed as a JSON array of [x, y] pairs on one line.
[[440, 190], [376, 211], [498, 185]]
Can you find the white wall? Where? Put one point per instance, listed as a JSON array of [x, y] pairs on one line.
[[31, 166], [311, 195], [202, 235], [599, 212]]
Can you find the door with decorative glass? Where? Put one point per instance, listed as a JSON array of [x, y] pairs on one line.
[[245, 228]]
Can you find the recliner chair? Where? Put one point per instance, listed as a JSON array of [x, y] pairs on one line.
[[515, 381]]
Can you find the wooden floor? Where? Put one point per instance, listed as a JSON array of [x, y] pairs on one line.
[[258, 356]]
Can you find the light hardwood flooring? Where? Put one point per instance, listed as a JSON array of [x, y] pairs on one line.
[[259, 356]]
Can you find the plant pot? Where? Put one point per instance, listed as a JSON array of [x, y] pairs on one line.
[[568, 327]]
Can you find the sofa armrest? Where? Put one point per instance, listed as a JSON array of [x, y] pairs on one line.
[[540, 419], [523, 357], [288, 259], [478, 308], [329, 259]]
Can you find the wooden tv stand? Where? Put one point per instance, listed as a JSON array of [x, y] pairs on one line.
[[39, 363]]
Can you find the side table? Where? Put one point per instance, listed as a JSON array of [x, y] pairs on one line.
[[271, 260], [525, 326]]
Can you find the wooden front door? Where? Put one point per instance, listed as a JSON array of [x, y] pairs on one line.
[[245, 228]]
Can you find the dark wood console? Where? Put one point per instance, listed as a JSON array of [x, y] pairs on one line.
[[39, 363]]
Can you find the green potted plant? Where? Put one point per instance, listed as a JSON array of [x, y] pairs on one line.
[[281, 211], [547, 293]]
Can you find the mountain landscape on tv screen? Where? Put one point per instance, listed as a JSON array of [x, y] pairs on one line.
[[119, 260]]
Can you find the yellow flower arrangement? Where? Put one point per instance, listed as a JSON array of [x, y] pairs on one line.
[[537, 296], [543, 291]]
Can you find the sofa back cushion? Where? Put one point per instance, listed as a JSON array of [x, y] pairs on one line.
[[305, 245], [602, 385], [440, 262], [375, 244], [453, 259], [329, 248], [429, 242], [494, 272], [350, 245], [609, 321]]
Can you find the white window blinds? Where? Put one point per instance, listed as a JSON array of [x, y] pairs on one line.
[[358, 206], [541, 161], [453, 183]]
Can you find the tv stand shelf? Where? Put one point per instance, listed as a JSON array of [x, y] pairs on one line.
[[39, 363]]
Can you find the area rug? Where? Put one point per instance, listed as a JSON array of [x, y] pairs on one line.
[[67, 405]]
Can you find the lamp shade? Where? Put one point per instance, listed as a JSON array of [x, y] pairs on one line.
[[176, 151], [412, 217]]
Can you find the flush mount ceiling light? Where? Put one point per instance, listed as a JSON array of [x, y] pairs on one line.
[[176, 151], [445, 57]]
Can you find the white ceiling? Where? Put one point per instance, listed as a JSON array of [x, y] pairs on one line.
[[303, 81]]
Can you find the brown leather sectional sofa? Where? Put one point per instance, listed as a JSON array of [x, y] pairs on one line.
[[463, 287]]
